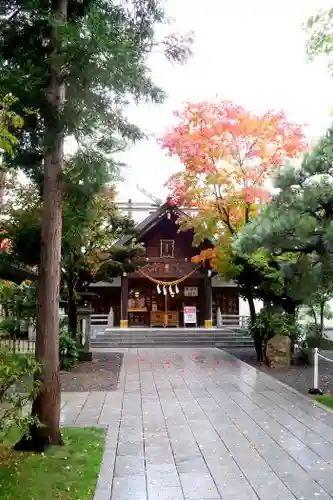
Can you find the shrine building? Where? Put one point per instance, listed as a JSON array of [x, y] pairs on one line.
[[169, 290]]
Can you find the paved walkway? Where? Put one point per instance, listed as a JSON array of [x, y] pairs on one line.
[[203, 425]]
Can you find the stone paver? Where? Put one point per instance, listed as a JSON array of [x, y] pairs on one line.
[[198, 424]]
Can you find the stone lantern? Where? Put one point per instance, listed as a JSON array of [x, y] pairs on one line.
[[84, 312]]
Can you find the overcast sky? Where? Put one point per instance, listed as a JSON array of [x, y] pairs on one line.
[[249, 51]]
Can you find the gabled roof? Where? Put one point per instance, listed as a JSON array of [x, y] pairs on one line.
[[150, 222]]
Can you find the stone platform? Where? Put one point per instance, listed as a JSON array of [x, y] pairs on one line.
[[226, 337]]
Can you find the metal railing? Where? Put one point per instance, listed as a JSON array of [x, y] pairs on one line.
[[233, 320], [100, 321]]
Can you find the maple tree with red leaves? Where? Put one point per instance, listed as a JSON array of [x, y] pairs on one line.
[[228, 154]]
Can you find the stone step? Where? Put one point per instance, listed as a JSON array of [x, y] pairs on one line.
[[180, 338], [170, 334], [191, 340], [173, 340], [188, 331], [226, 336], [170, 331], [173, 345]]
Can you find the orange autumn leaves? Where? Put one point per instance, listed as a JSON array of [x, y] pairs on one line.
[[234, 145], [227, 153]]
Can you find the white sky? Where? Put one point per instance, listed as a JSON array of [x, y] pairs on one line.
[[249, 51]]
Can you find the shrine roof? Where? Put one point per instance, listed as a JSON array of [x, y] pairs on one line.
[[151, 221]]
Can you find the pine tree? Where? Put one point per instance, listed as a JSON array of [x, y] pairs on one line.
[[295, 231]]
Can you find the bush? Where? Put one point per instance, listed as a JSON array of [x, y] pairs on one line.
[[313, 337], [17, 389], [68, 353], [269, 323]]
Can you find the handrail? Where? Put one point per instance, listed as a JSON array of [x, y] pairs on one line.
[[227, 319]]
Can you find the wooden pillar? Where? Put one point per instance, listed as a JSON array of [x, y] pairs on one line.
[[208, 302], [124, 302], [202, 303]]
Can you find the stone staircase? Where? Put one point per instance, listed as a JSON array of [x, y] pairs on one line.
[[224, 337]]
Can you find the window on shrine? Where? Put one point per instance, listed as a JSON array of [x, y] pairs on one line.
[[167, 248]]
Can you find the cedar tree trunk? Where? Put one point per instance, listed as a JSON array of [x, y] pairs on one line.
[[46, 407]]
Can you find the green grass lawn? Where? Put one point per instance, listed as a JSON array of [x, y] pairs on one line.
[[325, 400], [66, 472]]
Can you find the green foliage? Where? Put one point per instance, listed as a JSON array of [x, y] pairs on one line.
[[295, 230], [17, 389], [298, 220], [91, 226], [10, 326], [19, 306], [68, 353], [319, 28], [317, 307], [9, 120], [103, 47], [269, 323], [312, 336], [79, 64], [256, 272]]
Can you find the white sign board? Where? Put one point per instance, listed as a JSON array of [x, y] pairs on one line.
[[190, 315], [191, 291]]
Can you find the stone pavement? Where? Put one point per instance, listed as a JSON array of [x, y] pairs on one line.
[[201, 425]]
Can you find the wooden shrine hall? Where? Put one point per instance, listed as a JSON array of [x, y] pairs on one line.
[[169, 290]]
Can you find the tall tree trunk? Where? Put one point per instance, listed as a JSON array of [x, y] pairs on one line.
[[290, 308], [46, 406], [252, 307], [71, 309], [322, 309], [257, 340]]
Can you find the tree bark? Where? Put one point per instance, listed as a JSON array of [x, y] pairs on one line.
[[322, 309], [252, 308], [72, 309], [256, 337], [46, 406]]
